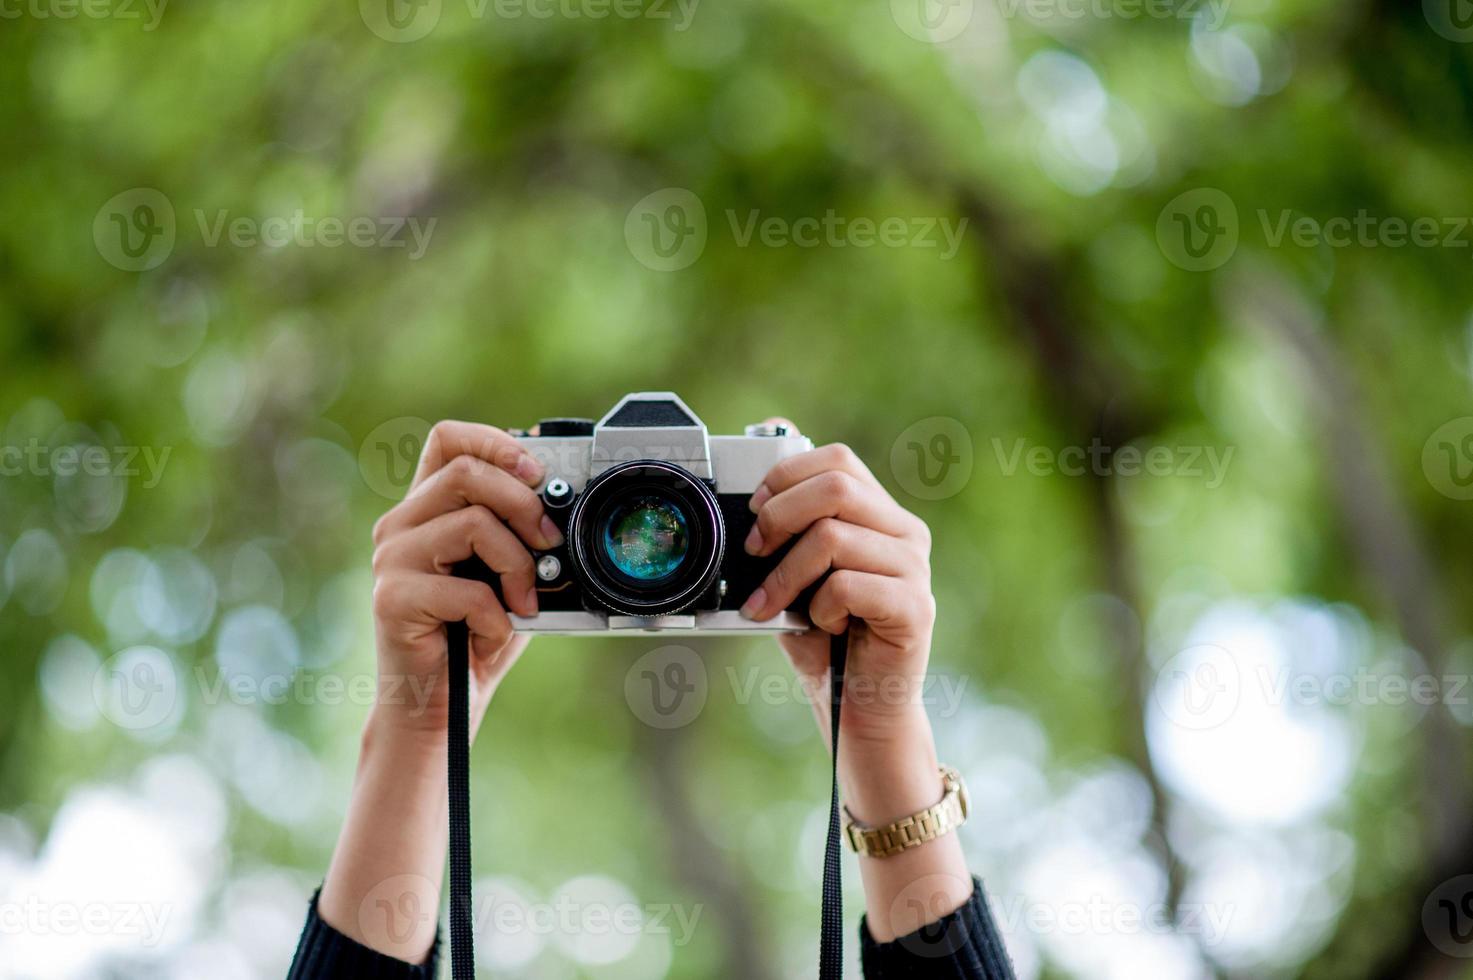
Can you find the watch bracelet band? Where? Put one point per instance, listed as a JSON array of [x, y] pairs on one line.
[[916, 829]]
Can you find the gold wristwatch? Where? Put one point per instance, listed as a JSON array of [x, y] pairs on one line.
[[916, 829]]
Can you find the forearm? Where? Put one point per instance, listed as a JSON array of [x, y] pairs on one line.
[[883, 780], [383, 886]]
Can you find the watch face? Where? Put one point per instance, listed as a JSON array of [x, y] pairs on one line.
[[954, 779]]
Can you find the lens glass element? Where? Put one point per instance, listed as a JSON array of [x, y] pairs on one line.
[[646, 537]]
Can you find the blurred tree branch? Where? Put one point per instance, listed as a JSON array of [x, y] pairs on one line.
[[1082, 389], [697, 863], [1390, 558]]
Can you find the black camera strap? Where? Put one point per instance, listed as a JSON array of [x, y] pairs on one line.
[[462, 942], [831, 934]]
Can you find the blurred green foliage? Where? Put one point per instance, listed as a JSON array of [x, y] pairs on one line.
[[1064, 317]]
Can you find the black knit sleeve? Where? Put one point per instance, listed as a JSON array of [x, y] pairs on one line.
[[963, 946], [323, 953]]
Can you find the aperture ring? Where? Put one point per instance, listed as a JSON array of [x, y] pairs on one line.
[[707, 545]]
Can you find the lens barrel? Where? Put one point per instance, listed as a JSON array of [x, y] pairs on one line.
[[645, 538]]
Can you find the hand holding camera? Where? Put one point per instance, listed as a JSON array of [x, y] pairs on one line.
[[643, 522], [471, 496], [837, 528], [870, 561]]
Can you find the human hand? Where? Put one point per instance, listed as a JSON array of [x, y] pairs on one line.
[[471, 495], [874, 559]]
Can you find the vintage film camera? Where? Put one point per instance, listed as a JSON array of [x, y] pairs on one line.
[[654, 512]]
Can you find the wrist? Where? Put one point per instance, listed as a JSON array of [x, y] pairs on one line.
[[383, 884], [890, 773], [391, 736]]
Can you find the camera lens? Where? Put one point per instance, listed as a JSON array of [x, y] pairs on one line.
[[646, 538]]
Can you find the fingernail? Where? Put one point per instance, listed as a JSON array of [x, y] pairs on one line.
[[755, 603], [528, 469], [754, 540], [532, 601], [759, 498], [550, 533]]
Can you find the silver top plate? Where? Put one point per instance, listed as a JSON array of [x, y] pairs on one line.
[[736, 463], [721, 623]]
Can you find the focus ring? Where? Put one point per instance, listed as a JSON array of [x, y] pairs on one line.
[[707, 546]]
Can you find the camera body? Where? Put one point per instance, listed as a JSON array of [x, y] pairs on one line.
[[654, 514]]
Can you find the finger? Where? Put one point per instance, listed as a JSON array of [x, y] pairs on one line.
[[428, 601], [437, 545], [828, 544], [795, 469], [832, 493], [879, 600], [449, 439], [465, 481]]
